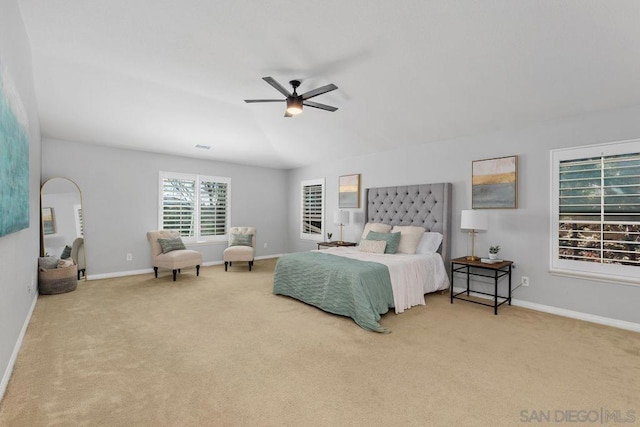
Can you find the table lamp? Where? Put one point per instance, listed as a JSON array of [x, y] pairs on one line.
[[341, 218], [473, 221]]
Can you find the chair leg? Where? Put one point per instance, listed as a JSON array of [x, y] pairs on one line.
[[155, 270], [197, 270], [250, 265], [225, 265], [175, 273]]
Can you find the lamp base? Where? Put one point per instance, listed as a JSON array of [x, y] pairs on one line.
[[473, 258]]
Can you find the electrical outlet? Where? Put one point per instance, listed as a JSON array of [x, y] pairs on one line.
[[525, 281], [265, 246], [129, 257]]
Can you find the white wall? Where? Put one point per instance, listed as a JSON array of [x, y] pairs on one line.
[[120, 201], [523, 234], [19, 251]]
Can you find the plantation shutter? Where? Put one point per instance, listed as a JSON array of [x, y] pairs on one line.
[[77, 209], [312, 209], [213, 208], [178, 203], [599, 209]]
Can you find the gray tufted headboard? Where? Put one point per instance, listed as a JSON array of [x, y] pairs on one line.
[[424, 205]]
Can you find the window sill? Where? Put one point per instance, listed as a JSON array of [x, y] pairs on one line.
[[207, 242], [608, 278]]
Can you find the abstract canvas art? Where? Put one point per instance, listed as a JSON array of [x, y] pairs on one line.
[[495, 183], [14, 158], [349, 191]]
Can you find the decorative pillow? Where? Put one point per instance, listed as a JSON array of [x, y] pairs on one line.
[[169, 245], [375, 226], [373, 246], [392, 239], [66, 253], [429, 243], [47, 263], [65, 263], [410, 238], [241, 240]]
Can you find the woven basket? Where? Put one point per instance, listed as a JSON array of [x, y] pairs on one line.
[[58, 280]]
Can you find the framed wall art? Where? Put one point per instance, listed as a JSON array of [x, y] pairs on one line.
[[349, 191], [14, 157], [48, 221], [494, 183]]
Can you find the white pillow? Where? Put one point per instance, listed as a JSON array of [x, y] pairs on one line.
[[374, 246], [375, 226], [429, 243], [410, 238]]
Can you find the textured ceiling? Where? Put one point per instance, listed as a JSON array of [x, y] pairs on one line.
[[165, 75]]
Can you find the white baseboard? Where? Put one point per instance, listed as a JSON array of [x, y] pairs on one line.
[[622, 324], [16, 349], [119, 274], [150, 270]]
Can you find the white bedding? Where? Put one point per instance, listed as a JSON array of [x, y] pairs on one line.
[[412, 276]]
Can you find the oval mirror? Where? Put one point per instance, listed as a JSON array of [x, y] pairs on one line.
[[62, 222]]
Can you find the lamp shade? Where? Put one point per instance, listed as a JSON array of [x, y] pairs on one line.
[[474, 220], [341, 217]]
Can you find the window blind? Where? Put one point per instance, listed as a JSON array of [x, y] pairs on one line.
[[312, 209], [599, 209], [178, 205], [196, 206], [213, 208]]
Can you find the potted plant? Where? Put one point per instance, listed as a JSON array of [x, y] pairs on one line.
[[493, 251], [329, 236]]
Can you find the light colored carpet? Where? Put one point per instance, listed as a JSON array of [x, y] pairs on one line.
[[222, 350]]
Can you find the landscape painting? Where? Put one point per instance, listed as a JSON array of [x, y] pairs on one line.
[[14, 158], [349, 191], [495, 183]]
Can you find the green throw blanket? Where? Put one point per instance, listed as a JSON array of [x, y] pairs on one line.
[[358, 289]]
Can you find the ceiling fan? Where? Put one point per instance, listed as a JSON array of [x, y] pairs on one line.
[[295, 101]]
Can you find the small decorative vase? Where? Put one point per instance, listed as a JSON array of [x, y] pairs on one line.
[[493, 256]]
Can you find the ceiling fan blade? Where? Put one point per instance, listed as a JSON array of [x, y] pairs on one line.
[[320, 106], [277, 86], [319, 91], [248, 101]]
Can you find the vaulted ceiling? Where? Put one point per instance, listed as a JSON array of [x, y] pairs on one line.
[[166, 75]]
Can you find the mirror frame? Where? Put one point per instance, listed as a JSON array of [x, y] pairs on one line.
[[42, 235]]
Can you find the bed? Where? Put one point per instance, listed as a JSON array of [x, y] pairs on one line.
[[362, 285]]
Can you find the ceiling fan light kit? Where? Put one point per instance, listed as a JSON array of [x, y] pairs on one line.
[[294, 106], [295, 101]]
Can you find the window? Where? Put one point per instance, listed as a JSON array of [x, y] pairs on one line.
[[312, 209], [195, 205], [77, 211], [596, 211]]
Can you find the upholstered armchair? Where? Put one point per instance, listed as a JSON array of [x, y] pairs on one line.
[[242, 243], [169, 252], [77, 254]]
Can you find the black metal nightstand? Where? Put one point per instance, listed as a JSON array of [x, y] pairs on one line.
[[496, 271], [335, 244]]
